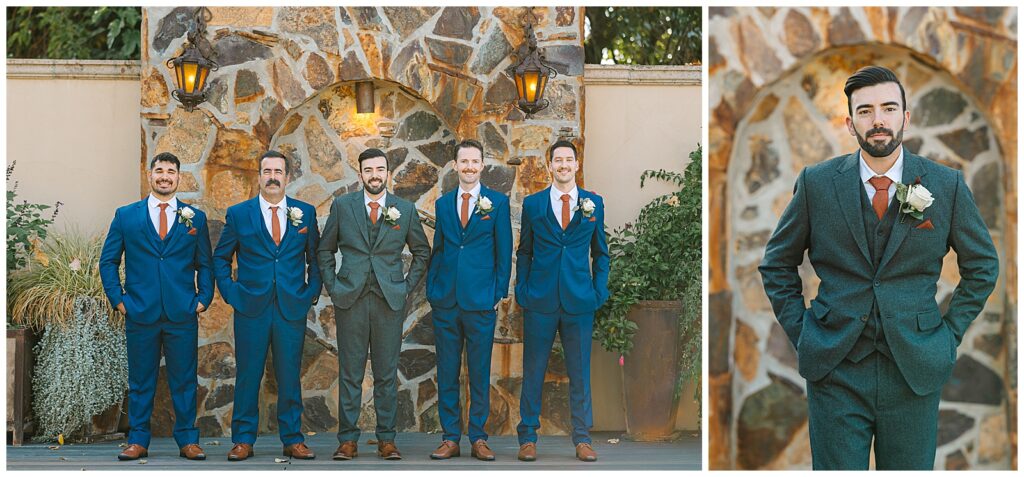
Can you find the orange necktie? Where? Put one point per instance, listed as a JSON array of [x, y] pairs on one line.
[[163, 220], [465, 208], [275, 225], [881, 200], [373, 212], [565, 211]]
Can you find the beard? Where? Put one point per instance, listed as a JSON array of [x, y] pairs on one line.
[[374, 189], [164, 187], [883, 149]]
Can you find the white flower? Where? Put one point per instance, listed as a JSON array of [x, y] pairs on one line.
[[919, 198], [587, 206], [187, 212], [393, 214], [484, 206], [295, 216]]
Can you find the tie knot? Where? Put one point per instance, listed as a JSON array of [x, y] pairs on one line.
[[565, 197], [163, 206], [374, 205], [466, 195], [880, 182], [273, 209]]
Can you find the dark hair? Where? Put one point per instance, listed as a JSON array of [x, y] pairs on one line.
[[165, 157], [561, 143], [372, 153], [467, 143], [273, 153], [870, 76]]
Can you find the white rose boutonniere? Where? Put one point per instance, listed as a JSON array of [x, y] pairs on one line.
[[185, 215], [586, 207], [295, 216], [484, 206], [914, 198], [391, 216]]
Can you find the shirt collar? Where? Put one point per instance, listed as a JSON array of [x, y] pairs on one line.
[[556, 194], [382, 200], [895, 172], [475, 191], [154, 202], [264, 204]]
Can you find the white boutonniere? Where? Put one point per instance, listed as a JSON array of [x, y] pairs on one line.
[[185, 215], [587, 207], [295, 216], [484, 206], [913, 198], [391, 216]]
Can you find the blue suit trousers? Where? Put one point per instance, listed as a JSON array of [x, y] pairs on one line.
[[454, 327]]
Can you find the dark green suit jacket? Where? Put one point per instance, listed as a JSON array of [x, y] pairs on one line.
[[348, 231], [825, 219]]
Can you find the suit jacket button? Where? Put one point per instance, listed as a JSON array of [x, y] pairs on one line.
[[462, 246], [864, 318], [878, 283]]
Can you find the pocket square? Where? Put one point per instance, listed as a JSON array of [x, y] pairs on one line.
[[303, 230], [927, 225], [592, 219], [396, 227], [486, 217], [193, 231]]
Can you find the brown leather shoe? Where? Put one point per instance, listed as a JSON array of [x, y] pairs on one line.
[[240, 452], [527, 452], [192, 452], [299, 451], [348, 450], [585, 453], [133, 452], [481, 451], [388, 451], [446, 450]]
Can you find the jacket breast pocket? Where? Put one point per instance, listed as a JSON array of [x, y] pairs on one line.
[[397, 277]]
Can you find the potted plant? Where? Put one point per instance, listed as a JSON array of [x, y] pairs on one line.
[[26, 226], [80, 378], [652, 316]]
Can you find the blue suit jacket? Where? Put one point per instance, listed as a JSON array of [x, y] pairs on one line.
[[265, 270], [470, 268], [561, 268], [162, 277]]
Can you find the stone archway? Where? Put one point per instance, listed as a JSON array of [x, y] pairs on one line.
[[776, 106]]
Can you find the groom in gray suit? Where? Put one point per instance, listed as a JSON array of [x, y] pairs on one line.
[[370, 228]]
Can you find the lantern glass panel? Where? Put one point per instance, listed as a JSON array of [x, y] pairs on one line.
[[532, 80], [189, 70], [201, 82]]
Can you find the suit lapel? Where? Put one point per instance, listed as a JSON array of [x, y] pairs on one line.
[[912, 169], [549, 215], [289, 230], [848, 189], [261, 228], [474, 218], [448, 214], [360, 216], [389, 202], [175, 228], [147, 224], [577, 217]]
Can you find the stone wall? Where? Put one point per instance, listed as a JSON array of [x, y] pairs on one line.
[[776, 107], [286, 81]]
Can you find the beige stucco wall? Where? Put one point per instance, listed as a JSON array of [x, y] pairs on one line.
[[637, 118], [73, 128]]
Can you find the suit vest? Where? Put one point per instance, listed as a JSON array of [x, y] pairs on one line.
[[877, 233]]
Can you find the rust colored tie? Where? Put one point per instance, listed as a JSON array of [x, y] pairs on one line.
[[881, 201], [465, 208], [163, 220], [373, 212], [565, 211], [275, 225]]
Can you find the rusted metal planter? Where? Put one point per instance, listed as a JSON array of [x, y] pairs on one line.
[[20, 342], [651, 370]]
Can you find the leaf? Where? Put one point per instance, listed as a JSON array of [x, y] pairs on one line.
[[280, 460], [60, 439]]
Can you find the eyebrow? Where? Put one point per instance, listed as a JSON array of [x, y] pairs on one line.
[[887, 103]]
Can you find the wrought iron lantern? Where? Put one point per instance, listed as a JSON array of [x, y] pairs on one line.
[[531, 74], [192, 68]]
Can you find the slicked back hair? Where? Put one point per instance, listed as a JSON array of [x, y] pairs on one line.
[[372, 153], [870, 76], [273, 153], [562, 143], [467, 143]]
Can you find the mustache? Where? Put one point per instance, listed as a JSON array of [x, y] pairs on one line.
[[873, 131], [271, 182]]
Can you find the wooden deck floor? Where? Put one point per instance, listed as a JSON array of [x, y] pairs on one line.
[[554, 453]]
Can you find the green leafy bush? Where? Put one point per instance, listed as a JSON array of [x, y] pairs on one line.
[[25, 225], [85, 33]]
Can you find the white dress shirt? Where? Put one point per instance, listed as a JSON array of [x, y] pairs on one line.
[[382, 200], [282, 215], [154, 212], [473, 195], [556, 203], [895, 173]]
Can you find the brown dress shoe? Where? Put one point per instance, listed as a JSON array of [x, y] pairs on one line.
[[585, 453], [133, 452], [299, 451], [192, 452], [240, 452], [527, 452], [481, 451], [388, 451], [446, 450], [348, 450]]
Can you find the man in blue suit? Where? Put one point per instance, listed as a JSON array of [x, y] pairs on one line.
[[469, 271], [168, 282], [561, 279], [274, 240]]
